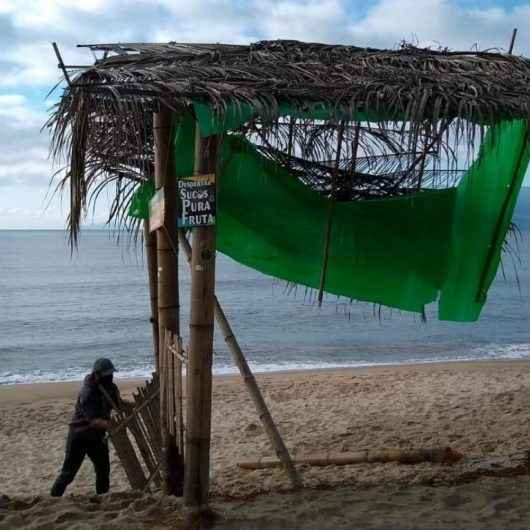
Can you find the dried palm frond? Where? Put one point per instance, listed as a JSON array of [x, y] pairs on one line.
[[431, 105]]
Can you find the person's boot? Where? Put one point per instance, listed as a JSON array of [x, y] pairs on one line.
[[58, 488]]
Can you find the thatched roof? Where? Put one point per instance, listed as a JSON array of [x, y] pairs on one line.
[[409, 82], [441, 99]]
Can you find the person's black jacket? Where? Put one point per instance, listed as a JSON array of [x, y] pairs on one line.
[[92, 404]]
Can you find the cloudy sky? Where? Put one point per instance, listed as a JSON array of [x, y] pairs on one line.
[[28, 66]]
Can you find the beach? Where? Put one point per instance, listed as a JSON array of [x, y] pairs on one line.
[[481, 409]]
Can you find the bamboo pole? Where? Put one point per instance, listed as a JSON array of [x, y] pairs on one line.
[[199, 368], [168, 295], [264, 414], [150, 252], [331, 209], [512, 41], [437, 455]]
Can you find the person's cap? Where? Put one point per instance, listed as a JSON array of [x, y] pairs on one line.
[[103, 367]]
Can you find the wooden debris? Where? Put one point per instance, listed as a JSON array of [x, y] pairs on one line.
[[437, 455], [135, 435]]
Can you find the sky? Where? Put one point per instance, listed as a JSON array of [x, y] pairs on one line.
[[28, 67]]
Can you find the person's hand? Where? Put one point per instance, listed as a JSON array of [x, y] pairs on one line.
[[100, 423], [128, 405]]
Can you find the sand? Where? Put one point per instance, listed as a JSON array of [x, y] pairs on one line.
[[481, 409]]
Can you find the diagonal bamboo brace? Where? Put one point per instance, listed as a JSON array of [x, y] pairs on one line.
[[250, 381]]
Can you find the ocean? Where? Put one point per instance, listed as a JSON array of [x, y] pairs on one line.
[[59, 312]]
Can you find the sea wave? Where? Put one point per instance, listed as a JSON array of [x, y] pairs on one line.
[[483, 353]]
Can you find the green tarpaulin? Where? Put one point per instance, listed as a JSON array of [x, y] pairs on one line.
[[401, 252], [140, 201]]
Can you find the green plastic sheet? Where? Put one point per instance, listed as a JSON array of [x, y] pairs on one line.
[[236, 114], [139, 207], [401, 252], [484, 206], [379, 251]]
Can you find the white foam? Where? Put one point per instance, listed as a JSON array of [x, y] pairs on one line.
[[488, 352]]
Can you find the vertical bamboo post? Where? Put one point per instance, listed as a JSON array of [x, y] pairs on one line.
[[264, 414], [150, 252], [512, 41], [331, 208], [168, 295], [199, 368]]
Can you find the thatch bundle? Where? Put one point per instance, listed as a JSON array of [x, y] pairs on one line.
[[412, 83], [430, 104]]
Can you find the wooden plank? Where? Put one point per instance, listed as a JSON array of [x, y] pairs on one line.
[[150, 422], [123, 422], [153, 477], [151, 433], [129, 460], [139, 435], [154, 425]]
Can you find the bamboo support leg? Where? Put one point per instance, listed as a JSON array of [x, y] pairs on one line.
[[265, 416]]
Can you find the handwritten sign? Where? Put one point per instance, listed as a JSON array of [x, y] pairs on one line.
[[197, 201]]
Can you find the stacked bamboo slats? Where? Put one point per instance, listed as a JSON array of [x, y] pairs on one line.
[[171, 385], [135, 435]]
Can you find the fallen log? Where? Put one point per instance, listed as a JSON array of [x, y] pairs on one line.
[[437, 455]]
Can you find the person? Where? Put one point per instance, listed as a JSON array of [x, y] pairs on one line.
[[87, 430]]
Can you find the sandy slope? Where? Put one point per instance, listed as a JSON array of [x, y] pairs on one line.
[[484, 504], [481, 409]]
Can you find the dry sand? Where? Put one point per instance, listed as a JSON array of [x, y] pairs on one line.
[[480, 409]]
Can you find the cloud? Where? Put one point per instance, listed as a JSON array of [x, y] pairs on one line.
[[324, 21], [28, 26], [441, 23], [33, 25], [28, 65], [23, 149]]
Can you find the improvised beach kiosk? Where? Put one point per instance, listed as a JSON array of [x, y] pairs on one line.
[[387, 176]]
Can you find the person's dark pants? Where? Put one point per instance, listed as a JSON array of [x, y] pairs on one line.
[[77, 447]]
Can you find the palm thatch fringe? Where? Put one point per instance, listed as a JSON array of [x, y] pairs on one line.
[[435, 104]]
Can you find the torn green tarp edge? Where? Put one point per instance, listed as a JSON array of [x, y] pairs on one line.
[[470, 309], [506, 212], [240, 234], [463, 305], [484, 207], [139, 208], [235, 114], [376, 262]]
